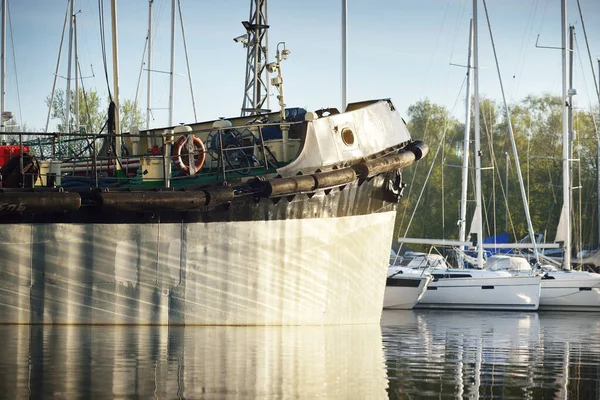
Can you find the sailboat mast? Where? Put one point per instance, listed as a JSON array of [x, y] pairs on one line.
[[344, 54], [514, 149], [465, 166], [507, 163], [149, 67], [3, 72], [570, 93], [172, 69], [115, 51], [566, 210], [477, 219]]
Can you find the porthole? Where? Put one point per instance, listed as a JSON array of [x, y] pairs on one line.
[[348, 137]]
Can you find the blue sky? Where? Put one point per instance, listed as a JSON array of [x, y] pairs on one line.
[[397, 48]]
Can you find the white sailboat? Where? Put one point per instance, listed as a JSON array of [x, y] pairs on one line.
[[565, 289], [405, 286], [470, 288], [570, 290]]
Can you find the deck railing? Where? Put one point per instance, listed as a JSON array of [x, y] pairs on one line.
[[84, 159]]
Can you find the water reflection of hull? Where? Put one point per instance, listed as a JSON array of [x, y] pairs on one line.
[[503, 355], [193, 362]]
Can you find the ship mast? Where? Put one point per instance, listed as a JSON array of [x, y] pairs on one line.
[[172, 68], [74, 17], [344, 54], [149, 66], [3, 72], [115, 54], [67, 126], [256, 88]]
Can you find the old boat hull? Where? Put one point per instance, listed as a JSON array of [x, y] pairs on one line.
[[319, 259], [230, 273], [308, 245], [493, 293]]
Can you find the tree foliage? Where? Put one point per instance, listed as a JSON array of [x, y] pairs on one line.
[[93, 114], [131, 115], [537, 127]]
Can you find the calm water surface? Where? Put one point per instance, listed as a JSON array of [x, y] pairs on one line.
[[413, 354], [504, 355]]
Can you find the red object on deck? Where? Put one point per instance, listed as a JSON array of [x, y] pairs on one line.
[[8, 152]]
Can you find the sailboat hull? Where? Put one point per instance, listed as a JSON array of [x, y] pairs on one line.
[[571, 291], [493, 293], [403, 293]]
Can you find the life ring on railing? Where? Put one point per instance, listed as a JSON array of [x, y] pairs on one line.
[[176, 154]]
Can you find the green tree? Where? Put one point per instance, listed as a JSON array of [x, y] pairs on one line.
[[92, 117], [537, 125], [434, 125], [131, 115], [91, 112]]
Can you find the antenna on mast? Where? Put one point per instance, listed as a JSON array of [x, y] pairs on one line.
[[256, 88]]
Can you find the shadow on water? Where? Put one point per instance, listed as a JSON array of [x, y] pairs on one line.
[[468, 354], [68, 362]]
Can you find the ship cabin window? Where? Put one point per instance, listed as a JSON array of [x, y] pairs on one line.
[[446, 276]]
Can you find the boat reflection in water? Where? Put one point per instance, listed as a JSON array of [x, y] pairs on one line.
[[414, 354], [492, 355], [342, 362]]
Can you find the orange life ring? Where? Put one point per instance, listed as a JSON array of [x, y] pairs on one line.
[[176, 154]]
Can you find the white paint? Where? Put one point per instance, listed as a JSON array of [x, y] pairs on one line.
[[405, 298], [509, 293], [564, 291], [309, 271], [126, 262], [376, 128]]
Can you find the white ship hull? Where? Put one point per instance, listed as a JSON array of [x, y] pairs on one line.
[[276, 272], [477, 293], [302, 243], [403, 293], [571, 291]]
